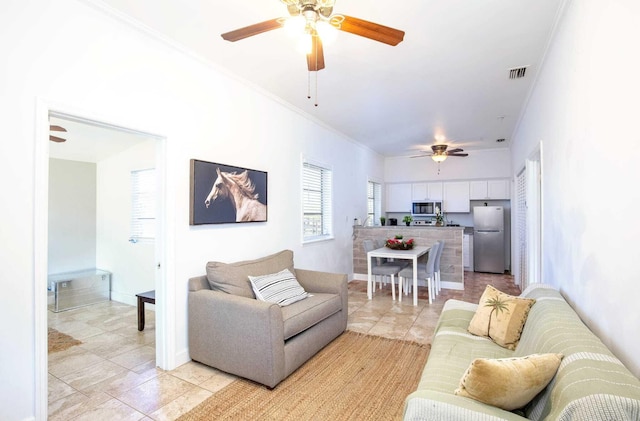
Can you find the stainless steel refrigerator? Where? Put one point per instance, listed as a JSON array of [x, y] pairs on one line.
[[488, 239]]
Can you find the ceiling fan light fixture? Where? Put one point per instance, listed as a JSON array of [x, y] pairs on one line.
[[439, 157], [294, 26], [305, 43], [327, 32]]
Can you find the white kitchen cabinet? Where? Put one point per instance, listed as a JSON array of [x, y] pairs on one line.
[[456, 196], [398, 197], [489, 190], [426, 191]]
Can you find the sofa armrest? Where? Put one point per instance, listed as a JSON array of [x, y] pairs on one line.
[[198, 282], [436, 406], [324, 282], [315, 281], [236, 334]]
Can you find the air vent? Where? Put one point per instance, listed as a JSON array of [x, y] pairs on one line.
[[517, 72], [500, 140]]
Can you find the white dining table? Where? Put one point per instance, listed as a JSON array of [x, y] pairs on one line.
[[388, 253]]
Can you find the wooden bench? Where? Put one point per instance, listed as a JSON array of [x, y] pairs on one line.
[[144, 297]]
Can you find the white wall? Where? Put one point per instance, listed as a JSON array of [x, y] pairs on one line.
[[584, 110], [132, 265], [480, 164], [72, 216], [72, 54]]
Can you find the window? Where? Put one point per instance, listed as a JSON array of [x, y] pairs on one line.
[[143, 205], [374, 203], [316, 202]]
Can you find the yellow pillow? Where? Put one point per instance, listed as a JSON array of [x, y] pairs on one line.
[[500, 317], [508, 383]]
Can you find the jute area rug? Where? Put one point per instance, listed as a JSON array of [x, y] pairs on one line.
[[356, 377], [59, 341]]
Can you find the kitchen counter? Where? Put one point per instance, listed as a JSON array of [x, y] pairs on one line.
[[411, 226], [451, 263]]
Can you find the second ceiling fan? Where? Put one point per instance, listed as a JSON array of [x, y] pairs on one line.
[[440, 153], [55, 128], [314, 15]]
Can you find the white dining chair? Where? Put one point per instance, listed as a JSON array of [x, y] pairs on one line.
[[380, 269], [426, 271]]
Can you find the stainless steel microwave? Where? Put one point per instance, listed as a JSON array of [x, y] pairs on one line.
[[425, 208]]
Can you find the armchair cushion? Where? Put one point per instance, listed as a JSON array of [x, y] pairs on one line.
[[281, 288], [233, 278], [301, 315]]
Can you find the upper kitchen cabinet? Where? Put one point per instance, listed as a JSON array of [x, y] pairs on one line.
[[426, 191], [489, 190], [456, 196], [399, 197]]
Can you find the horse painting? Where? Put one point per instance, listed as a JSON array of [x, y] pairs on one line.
[[239, 189]]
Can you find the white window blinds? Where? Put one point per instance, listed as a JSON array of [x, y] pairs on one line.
[[143, 205], [374, 202], [316, 202], [521, 203]]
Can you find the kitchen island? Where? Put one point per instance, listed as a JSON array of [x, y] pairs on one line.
[[451, 265]]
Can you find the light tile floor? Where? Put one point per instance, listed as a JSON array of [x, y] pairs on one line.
[[112, 374]]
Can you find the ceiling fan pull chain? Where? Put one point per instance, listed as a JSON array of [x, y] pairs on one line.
[[309, 84], [316, 102]]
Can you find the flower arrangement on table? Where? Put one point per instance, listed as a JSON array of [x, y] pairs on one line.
[[399, 244]]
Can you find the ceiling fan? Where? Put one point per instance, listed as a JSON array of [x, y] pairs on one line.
[[316, 16], [440, 153], [55, 128]]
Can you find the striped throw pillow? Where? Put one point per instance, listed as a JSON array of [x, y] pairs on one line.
[[281, 288]]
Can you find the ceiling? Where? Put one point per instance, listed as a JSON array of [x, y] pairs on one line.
[[89, 141], [448, 79]]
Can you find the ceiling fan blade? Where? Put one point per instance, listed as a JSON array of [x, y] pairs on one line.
[[372, 30], [419, 156], [57, 128], [57, 139], [454, 151], [315, 60], [457, 154], [252, 30]]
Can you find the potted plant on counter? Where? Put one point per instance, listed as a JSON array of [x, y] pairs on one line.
[[407, 220], [439, 217], [383, 220]]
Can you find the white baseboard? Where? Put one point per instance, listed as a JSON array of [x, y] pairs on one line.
[[182, 357], [452, 285], [130, 299]]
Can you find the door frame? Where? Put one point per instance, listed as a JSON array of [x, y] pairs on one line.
[[532, 170], [534, 215], [165, 292]]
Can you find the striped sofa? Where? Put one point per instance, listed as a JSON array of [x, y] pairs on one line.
[[591, 383]]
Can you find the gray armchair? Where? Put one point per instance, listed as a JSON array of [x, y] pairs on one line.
[[259, 340]]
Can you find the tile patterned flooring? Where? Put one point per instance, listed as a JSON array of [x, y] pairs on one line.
[[112, 374]]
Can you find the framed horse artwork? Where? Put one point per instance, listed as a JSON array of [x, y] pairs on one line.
[[222, 194]]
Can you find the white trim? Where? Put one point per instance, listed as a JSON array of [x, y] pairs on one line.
[[40, 257], [534, 222], [458, 286], [165, 294]]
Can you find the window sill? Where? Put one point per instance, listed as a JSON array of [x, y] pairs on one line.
[[318, 239]]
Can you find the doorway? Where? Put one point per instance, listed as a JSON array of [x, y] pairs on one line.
[[114, 137]]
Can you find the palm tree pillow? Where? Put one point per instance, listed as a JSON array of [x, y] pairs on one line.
[[500, 317]]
